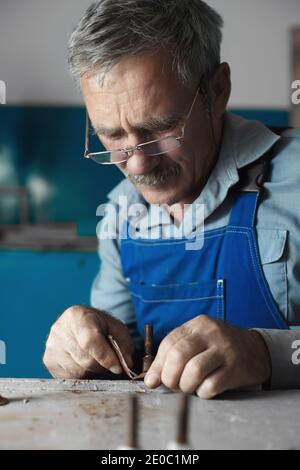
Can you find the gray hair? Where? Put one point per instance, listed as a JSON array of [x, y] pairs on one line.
[[190, 31]]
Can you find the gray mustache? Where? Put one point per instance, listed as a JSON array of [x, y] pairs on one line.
[[157, 176]]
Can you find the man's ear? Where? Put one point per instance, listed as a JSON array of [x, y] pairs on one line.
[[220, 89]]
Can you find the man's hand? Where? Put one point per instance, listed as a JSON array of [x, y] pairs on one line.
[[77, 346], [208, 357]]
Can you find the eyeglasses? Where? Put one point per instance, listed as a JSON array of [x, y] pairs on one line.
[[152, 148]]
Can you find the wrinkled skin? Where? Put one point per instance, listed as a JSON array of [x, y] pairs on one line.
[[77, 346], [207, 357]]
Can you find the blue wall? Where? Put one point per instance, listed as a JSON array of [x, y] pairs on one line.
[[35, 288], [48, 143]]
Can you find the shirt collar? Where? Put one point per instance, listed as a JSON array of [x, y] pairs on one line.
[[243, 142]]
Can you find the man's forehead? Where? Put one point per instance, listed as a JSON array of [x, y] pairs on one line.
[[143, 109], [136, 93], [141, 69], [143, 77]]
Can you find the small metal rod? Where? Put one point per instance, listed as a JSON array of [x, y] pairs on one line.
[[132, 441], [182, 427], [148, 358]]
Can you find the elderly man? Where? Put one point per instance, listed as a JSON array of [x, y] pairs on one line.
[[224, 312]]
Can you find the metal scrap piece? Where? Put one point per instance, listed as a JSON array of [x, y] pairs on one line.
[[3, 401], [132, 375]]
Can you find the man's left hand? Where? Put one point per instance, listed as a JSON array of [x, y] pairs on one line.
[[208, 357]]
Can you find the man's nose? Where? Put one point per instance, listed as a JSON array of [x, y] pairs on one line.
[[139, 164]]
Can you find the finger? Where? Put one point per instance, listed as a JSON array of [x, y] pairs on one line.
[[58, 372], [79, 356], [94, 343], [153, 376], [50, 362], [73, 369], [66, 368], [214, 384], [83, 359], [177, 357], [55, 369], [198, 368]]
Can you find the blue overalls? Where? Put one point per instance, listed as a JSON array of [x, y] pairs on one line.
[[170, 285]]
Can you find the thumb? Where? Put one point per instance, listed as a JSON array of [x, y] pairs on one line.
[[153, 376]]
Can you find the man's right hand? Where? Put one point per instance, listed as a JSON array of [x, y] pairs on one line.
[[77, 346]]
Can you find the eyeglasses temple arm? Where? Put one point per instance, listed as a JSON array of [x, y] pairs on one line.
[[192, 106], [189, 113], [86, 147]]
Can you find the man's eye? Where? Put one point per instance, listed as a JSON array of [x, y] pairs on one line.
[[169, 128], [110, 138], [162, 132]]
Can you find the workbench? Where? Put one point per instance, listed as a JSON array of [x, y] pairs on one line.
[[85, 414]]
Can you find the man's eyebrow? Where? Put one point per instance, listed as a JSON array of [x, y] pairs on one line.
[[151, 124]]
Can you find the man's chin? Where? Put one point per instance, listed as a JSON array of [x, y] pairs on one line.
[[158, 194]]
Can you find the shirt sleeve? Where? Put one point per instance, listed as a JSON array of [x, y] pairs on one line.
[[280, 211], [284, 349], [109, 290]]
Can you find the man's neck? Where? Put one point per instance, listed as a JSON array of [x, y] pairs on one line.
[[177, 211]]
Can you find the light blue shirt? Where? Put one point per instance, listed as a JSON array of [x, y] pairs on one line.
[[278, 231]]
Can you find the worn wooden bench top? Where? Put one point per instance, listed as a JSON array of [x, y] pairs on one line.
[[70, 414]]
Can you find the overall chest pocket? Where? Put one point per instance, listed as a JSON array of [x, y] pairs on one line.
[[166, 306], [272, 245]]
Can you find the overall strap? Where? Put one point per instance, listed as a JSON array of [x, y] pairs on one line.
[[250, 188]]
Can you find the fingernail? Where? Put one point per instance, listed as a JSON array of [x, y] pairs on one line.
[[116, 370], [152, 380]]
